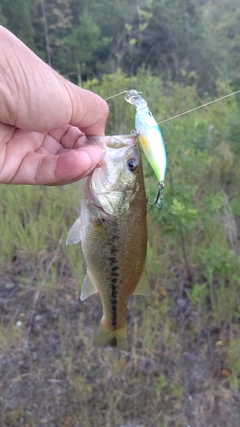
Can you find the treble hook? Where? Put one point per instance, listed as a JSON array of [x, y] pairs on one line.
[[158, 201]]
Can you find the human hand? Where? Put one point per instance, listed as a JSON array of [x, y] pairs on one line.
[[43, 119]]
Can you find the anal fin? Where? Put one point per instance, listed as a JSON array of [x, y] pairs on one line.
[[88, 288], [143, 287]]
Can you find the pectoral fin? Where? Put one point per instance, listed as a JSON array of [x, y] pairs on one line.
[[143, 287], [88, 288], [75, 233]]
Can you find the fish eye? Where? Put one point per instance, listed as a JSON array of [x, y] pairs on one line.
[[132, 164]]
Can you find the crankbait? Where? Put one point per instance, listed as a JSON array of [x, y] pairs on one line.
[[151, 139]]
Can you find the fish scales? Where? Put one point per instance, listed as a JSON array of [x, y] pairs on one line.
[[120, 262], [114, 238], [115, 250]]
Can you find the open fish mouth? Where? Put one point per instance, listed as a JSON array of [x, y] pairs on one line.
[[120, 141], [115, 141]]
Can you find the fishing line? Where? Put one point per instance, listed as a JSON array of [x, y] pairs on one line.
[[134, 97], [200, 106], [185, 112], [117, 94]]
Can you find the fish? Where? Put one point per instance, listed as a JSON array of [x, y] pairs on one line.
[[112, 228], [150, 135]]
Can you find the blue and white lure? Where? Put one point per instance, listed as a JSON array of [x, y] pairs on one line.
[[150, 138]]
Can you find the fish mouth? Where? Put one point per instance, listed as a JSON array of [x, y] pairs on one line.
[[117, 147], [115, 141], [104, 189], [120, 141]]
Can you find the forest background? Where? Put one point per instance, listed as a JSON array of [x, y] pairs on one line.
[[179, 41], [184, 366]]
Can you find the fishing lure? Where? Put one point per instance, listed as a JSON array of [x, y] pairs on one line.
[[150, 138]]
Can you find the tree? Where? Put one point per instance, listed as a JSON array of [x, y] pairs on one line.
[[52, 21], [19, 20], [114, 18], [82, 44], [171, 40], [3, 20], [222, 27]]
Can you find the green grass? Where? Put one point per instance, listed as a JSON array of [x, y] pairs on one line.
[[193, 264]]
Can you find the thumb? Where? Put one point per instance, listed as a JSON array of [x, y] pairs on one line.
[[89, 111]]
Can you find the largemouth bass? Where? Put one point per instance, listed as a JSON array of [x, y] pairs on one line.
[[113, 231]]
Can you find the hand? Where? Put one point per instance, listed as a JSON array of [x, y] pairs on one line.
[[43, 120]]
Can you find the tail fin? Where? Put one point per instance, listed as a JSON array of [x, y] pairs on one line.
[[115, 338]]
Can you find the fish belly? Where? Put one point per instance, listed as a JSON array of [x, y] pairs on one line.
[[115, 252]]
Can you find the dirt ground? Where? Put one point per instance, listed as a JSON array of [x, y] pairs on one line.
[[50, 375]]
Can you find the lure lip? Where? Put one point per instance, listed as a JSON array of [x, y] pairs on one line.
[[134, 97], [131, 95]]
